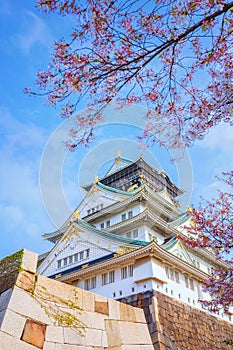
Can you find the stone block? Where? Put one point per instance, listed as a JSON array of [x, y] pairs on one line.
[[100, 298], [114, 309], [24, 303], [29, 261], [113, 333], [26, 280], [13, 324], [54, 334], [134, 333], [127, 313], [85, 317], [68, 347], [73, 336], [97, 321], [101, 307], [7, 342], [147, 347], [88, 301], [5, 298], [2, 314], [34, 333], [131, 347], [139, 315], [104, 340], [49, 346], [93, 337], [58, 290]]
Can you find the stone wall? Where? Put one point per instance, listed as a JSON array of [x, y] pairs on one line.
[[9, 268], [40, 313], [174, 325]]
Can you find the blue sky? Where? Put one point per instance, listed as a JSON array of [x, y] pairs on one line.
[[40, 180]]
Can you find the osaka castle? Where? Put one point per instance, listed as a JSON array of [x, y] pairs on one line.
[[121, 240]]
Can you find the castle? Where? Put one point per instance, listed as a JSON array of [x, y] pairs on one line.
[[120, 243], [121, 240]]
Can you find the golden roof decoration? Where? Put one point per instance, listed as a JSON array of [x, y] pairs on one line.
[[96, 179], [75, 215], [123, 250]]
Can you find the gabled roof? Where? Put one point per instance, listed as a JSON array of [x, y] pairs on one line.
[[118, 163], [85, 225], [184, 217], [54, 236]]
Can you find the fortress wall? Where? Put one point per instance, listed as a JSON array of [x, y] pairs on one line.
[[174, 325], [40, 313]]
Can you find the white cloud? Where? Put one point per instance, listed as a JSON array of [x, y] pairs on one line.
[[22, 215], [35, 32], [220, 137]]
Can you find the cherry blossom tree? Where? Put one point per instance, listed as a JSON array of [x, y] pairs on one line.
[[212, 229], [175, 57]]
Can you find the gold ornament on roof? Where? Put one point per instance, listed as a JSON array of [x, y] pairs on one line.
[[118, 154], [85, 266], [123, 250], [96, 180], [75, 215]]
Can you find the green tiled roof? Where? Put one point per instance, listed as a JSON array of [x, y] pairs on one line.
[[181, 219], [115, 190], [170, 243], [108, 235], [83, 224]]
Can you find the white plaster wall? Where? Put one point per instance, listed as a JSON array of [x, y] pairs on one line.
[[116, 218]]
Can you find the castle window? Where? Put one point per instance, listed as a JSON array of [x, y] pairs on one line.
[[65, 262], [130, 214], [124, 273], [135, 233], [81, 255], [87, 253], [191, 284], [104, 279], [128, 234], [102, 225], [123, 217], [114, 295], [120, 292], [70, 259], [132, 289], [88, 211], [130, 270], [108, 223], [59, 264], [75, 257], [172, 274], [177, 277], [93, 282], [111, 276], [87, 284], [92, 210], [90, 283]]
